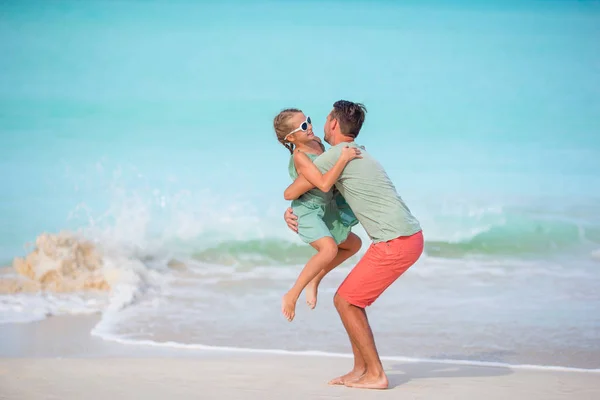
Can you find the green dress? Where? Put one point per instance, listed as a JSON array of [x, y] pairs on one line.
[[321, 214]]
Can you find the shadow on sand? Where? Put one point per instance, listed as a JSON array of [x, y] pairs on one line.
[[401, 373]]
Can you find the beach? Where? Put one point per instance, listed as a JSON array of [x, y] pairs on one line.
[[58, 359], [143, 251]]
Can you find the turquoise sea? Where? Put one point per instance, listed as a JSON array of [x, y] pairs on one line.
[[146, 126]]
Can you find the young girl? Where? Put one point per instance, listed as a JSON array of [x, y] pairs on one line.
[[324, 220]]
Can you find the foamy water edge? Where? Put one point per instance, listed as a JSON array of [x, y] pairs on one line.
[[317, 353]]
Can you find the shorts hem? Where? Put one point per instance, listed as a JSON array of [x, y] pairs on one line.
[[355, 303]]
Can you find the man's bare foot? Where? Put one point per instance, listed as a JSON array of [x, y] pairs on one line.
[[311, 294], [288, 306], [369, 382], [351, 376]]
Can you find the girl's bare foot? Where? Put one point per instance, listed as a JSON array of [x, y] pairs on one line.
[[351, 376], [311, 294], [288, 306]]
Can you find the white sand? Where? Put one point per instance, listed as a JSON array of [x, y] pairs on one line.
[[56, 359], [273, 377]]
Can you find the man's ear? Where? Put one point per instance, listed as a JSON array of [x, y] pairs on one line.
[[334, 123]]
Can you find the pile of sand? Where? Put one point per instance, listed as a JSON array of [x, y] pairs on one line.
[[58, 263]]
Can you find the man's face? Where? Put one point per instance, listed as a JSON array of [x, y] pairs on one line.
[[327, 129]]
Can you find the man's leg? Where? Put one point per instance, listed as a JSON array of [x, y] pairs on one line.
[[345, 312], [381, 265], [359, 369], [357, 326]]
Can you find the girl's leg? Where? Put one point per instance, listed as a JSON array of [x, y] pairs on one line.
[[346, 249], [326, 252]]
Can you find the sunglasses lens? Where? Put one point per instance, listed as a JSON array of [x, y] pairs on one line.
[[308, 120], [304, 126]]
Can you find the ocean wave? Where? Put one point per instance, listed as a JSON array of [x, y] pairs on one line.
[[145, 221], [515, 237], [520, 235], [32, 307], [500, 232], [132, 272], [155, 300], [255, 252], [68, 274]]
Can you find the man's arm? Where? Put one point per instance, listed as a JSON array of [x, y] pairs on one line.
[[290, 219], [297, 188]]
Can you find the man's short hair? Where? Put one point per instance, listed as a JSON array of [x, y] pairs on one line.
[[350, 116]]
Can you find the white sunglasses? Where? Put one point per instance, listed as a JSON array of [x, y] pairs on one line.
[[303, 127]]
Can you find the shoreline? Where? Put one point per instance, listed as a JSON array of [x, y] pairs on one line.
[[316, 353], [79, 341], [59, 358]]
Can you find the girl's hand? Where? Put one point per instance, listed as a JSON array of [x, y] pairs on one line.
[[350, 153]]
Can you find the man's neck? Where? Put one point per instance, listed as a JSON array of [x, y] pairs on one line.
[[343, 139]]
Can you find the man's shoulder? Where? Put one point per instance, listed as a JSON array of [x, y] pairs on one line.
[[338, 147], [330, 153]]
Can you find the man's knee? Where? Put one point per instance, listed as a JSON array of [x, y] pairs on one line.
[[339, 302]]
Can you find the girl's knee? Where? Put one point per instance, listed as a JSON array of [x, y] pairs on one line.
[[353, 243], [357, 243], [328, 247]]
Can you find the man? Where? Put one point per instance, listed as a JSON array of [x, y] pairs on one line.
[[397, 240]]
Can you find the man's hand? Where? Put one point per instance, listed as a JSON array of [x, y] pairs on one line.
[[290, 219]]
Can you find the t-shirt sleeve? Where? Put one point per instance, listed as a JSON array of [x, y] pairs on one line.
[[327, 160]]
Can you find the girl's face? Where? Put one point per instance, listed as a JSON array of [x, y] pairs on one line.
[[302, 131]]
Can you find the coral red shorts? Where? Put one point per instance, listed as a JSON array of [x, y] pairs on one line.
[[381, 265]]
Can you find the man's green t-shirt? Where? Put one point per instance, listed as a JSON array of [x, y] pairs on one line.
[[371, 195]]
